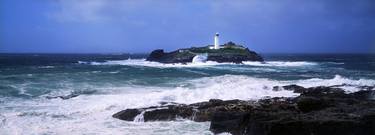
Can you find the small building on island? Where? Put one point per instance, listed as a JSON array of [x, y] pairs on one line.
[[230, 44], [228, 52]]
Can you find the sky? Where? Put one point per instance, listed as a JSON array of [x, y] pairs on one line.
[[140, 26]]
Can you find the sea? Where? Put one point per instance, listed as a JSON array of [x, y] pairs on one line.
[[31, 87]]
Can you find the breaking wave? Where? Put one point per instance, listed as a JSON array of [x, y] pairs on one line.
[[91, 112], [281, 63], [143, 62]]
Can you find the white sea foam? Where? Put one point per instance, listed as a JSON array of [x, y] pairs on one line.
[[197, 64], [91, 114], [139, 117], [143, 62], [46, 67], [200, 58], [336, 63], [350, 85], [281, 63], [83, 62], [114, 72]]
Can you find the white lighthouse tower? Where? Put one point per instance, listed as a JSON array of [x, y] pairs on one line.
[[216, 45]]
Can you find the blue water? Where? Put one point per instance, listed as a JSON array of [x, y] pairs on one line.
[[107, 83]]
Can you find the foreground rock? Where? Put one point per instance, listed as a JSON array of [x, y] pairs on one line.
[[229, 52], [317, 111]]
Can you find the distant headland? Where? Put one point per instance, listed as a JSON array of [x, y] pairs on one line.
[[228, 52]]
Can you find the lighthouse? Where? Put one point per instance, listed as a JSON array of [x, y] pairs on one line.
[[216, 45]]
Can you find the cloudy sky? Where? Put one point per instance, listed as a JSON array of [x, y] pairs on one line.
[[113, 26]]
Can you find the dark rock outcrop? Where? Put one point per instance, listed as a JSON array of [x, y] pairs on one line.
[[71, 95], [63, 97], [198, 112], [317, 111], [229, 52], [128, 114]]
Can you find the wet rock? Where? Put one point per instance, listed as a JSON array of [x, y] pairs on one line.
[[229, 121], [63, 97], [317, 111], [128, 114], [295, 88], [168, 113], [72, 95], [198, 112], [365, 94], [155, 55], [307, 104]]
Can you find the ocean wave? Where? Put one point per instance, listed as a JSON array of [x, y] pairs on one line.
[[336, 63], [349, 85], [143, 62], [114, 72], [281, 63], [91, 113], [44, 67]]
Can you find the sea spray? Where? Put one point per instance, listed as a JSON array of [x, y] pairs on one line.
[[140, 117]]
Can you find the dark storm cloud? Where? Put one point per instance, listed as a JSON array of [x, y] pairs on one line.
[[142, 25]]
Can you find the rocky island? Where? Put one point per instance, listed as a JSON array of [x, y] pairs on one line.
[[317, 111], [229, 52]]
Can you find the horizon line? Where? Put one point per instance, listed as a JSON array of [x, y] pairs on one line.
[[140, 53]]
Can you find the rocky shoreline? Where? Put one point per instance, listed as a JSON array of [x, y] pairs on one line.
[[317, 111]]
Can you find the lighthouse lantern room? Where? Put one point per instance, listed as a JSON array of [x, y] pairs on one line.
[[216, 45]]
